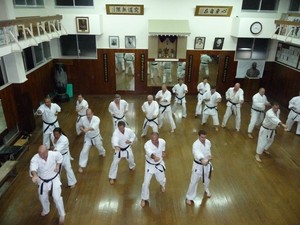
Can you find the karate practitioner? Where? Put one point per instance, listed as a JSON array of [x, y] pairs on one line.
[[235, 99], [154, 165], [202, 167], [129, 59], [205, 60], [211, 99], [164, 100], [118, 109], [49, 112], [151, 110], [44, 171], [167, 72], [180, 91], [90, 126], [267, 131], [60, 143], [181, 69], [120, 64], [294, 115], [202, 88], [121, 140], [259, 103], [81, 107]]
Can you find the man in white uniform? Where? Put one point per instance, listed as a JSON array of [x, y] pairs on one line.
[[180, 91], [294, 115], [120, 64], [202, 167], [211, 99], [90, 126], [121, 140], [202, 88], [129, 59], [181, 69], [163, 98], [118, 109], [81, 107], [49, 112], [151, 110], [167, 76], [60, 143], [204, 61], [154, 70], [267, 131], [44, 171], [154, 165], [235, 99], [259, 103]]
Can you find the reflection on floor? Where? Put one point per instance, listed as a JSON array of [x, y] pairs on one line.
[[124, 81]]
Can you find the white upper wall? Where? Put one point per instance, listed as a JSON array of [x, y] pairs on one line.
[[137, 25]]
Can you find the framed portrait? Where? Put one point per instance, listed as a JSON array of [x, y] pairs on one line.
[[82, 25], [199, 43], [218, 43], [114, 41], [130, 42]]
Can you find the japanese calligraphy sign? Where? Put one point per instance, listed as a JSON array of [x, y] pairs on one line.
[[116, 9], [202, 10]]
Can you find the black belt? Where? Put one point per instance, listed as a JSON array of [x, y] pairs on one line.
[[124, 149], [214, 107], [258, 110], [49, 124], [273, 130], [119, 119], [180, 99], [150, 120], [79, 117], [201, 93], [164, 106], [64, 153], [296, 113], [233, 103], [204, 63], [46, 181], [209, 175], [93, 138], [156, 166]]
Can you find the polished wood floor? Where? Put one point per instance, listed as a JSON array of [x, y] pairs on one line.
[[243, 190]]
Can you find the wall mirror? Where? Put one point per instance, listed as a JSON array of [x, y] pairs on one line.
[[3, 125], [125, 70], [208, 67], [160, 72]]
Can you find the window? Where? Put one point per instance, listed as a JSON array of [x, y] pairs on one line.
[[3, 76], [260, 5], [74, 3], [36, 55], [78, 45], [252, 48], [294, 5], [29, 3]]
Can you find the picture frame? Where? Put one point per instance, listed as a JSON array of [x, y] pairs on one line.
[[204, 10], [199, 42], [114, 42], [130, 42], [121, 9], [82, 25], [218, 43]]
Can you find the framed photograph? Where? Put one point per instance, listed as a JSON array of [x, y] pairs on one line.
[[117, 9], [218, 43], [130, 42], [204, 10], [114, 41], [199, 43], [82, 25]]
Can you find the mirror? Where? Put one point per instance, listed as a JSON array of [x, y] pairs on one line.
[[124, 70], [165, 72], [3, 125], [208, 67]]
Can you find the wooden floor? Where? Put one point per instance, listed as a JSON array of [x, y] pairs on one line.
[[243, 190]]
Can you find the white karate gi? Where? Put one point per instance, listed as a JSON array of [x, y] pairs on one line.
[[202, 88], [257, 111], [165, 108], [294, 115], [154, 69], [49, 121], [234, 100], [48, 180], [82, 106], [62, 146], [118, 114], [92, 137], [181, 69], [167, 72], [267, 131], [210, 108], [180, 91], [129, 59], [119, 139], [152, 167], [205, 60], [120, 64], [151, 119], [199, 171]]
